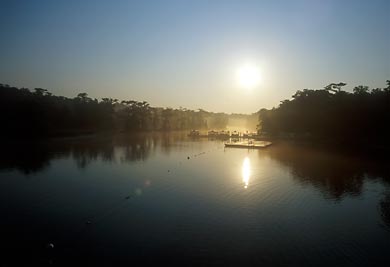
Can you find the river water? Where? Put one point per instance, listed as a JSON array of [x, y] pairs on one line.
[[167, 199]]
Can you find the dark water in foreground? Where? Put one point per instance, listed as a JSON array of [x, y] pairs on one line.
[[147, 203]]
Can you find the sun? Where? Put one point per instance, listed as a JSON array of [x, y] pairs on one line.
[[248, 76]]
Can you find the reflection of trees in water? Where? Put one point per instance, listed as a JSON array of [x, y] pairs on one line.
[[167, 141], [25, 157], [137, 147], [384, 206], [335, 174], [85, 152], [34, 157]]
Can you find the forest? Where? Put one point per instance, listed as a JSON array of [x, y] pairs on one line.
[[328, 114], [331, 114], [39, 113]]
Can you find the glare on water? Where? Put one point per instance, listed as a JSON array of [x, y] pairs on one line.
[[301, 198], [246, 171]]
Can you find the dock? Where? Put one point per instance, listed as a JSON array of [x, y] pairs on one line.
[[251, 144], [223, 135]]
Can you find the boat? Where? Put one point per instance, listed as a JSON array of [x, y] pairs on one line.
[[212, 133], [224, 134], [194, 133], [235, 134], [250, 144], [218, 135], [249, 135]]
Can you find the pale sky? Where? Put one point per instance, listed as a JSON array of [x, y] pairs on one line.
[[187, 53]]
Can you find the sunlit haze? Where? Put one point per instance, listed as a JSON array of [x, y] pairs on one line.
[[195, 133], [187, 53]]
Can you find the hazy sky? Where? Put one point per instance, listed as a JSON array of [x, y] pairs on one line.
[[186, 53]]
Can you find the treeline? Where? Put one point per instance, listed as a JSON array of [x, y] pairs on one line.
[[37, 112], [331, 114]]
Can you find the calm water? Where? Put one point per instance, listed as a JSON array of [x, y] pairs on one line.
[[120, 200]]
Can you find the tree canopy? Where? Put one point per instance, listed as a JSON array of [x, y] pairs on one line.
[[39, 113], [331, 114]]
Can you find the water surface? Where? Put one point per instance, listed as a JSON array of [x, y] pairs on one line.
[[168, 199]]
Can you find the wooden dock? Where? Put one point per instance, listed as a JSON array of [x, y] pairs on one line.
[[251, 144]]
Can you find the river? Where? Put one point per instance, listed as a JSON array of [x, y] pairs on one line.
[[169, 199]]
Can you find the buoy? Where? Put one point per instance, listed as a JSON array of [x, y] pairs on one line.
[[88, 222], [50, 245]]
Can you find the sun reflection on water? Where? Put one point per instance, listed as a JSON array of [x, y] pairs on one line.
[[246, 171]]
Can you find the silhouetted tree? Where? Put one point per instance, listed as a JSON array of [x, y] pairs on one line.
[[332, 114], [335, 87], [360, 90]]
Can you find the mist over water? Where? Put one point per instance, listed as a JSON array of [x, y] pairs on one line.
[[167, 198], [243, 123], [195, 133]]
